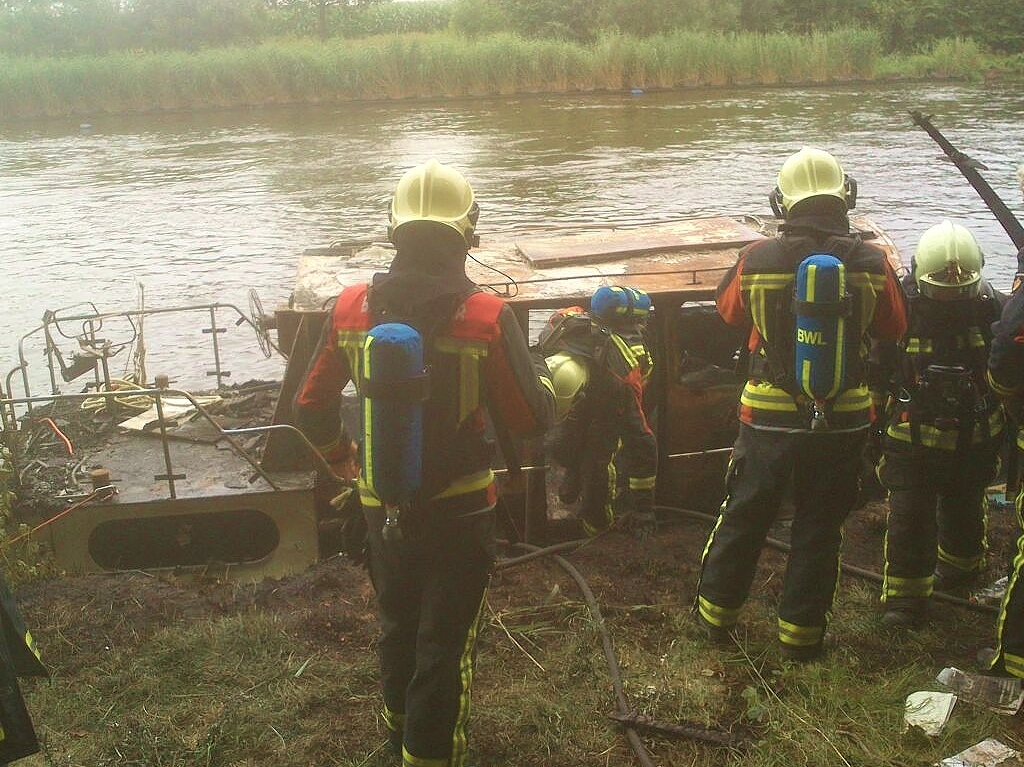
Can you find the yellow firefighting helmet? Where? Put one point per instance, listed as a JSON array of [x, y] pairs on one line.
[[811, 173], [569, 375], [438, 193], [947, 263]]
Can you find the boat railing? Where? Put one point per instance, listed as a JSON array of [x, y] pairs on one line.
[[96, 337], [8, 409]]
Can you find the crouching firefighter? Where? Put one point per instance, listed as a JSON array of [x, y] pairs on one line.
[[941, 447], [812, 297], [432, 358], [601, 364]]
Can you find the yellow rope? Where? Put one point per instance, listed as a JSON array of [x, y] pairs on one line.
[[140, 402]]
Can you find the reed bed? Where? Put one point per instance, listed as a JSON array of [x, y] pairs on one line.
[[422, 65]]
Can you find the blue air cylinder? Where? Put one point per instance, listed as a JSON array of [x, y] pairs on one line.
[[393, 390], [821, 306]]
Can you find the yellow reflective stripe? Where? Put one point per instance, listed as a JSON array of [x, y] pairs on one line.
[[469, 354], [764, 396], [408, 760], [460, 740], [723, 617], [863, 280], [766, 280], [392, 721], [998, 388], [642, 483], [851, 400], [369, 446], [946, 439], [839, 358], [351, 343], [893, 587], [468, 484], [463, 485], [626, 351], [30, 642], [1014, 664], [974, 338], [964, 564], [918, 346], [800, 636]]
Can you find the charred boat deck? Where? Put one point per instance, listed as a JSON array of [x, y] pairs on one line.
[[209, 484]]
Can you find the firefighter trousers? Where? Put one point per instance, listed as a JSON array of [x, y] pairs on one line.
[[937, 512], [1010, 623], [430, 586], [820, 468]]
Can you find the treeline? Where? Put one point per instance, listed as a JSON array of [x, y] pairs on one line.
[[100, 27]]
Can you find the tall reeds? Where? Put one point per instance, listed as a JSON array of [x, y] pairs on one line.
[[443, 64]]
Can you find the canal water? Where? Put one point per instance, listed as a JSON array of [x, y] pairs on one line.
[[189, 209]]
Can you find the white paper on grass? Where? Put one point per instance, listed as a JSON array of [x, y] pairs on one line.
[[928, 710], [988, 753]]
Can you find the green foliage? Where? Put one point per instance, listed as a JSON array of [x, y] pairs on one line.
[[447, 65], [77, 27], [476, 18]]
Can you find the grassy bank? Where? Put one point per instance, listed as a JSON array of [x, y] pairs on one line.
[[154, 670], [424, 66]]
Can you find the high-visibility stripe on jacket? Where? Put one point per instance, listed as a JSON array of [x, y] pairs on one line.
[[472, 368], [757, 292], [951, 334]]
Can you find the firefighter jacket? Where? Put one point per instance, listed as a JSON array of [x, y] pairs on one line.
[[942, 398], [1006, 357], [758, 293], [479, 364]]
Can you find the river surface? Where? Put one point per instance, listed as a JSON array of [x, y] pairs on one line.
[[188, 209]]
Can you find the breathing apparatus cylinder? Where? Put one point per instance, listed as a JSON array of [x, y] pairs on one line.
[[821, 305], [393, 390]]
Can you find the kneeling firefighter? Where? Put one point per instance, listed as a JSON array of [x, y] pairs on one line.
[[941, 446], [603, 364], [432, 358]]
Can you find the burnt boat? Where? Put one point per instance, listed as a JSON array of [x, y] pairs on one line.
[[126, 474]]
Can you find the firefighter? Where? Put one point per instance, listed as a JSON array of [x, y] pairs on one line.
[[941, 447], [1006, 377], [605, 363], [430, 558], [790, 438]]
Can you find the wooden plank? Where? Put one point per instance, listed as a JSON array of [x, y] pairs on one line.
[[609, 244]]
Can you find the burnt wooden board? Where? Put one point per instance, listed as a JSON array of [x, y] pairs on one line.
[[610, 244]]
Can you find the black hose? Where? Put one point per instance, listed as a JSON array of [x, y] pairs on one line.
[[606, 642]]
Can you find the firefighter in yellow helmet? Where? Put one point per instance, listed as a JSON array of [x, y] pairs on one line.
[[789, 439], [430, 536], [941, 446], [604, 442]]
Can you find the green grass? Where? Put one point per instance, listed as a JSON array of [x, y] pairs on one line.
[[160, 672], [422, 65]]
